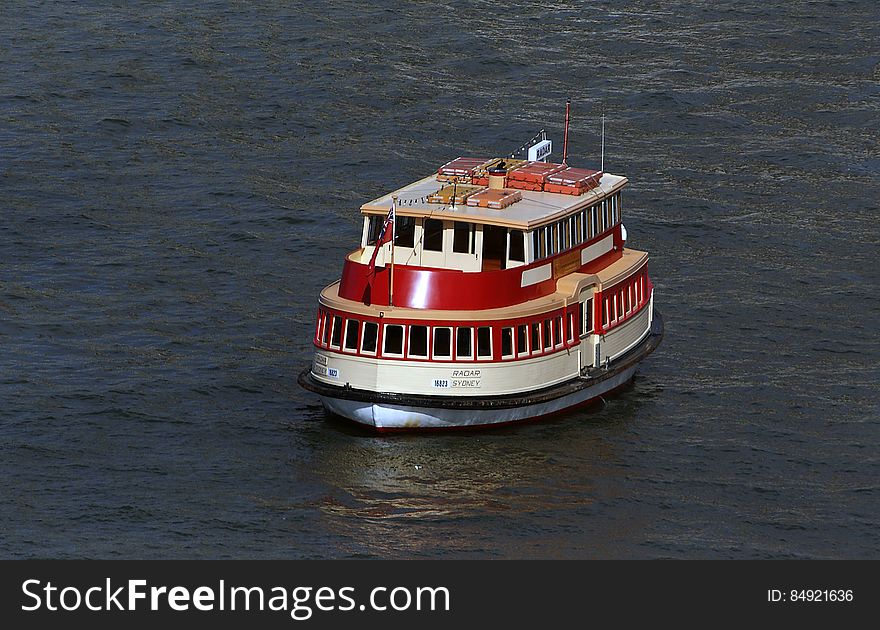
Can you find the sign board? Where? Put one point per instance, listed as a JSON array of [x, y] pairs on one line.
[[540, 151]]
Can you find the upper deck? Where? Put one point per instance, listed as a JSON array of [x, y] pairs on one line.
[[536, 208], [479, 235]]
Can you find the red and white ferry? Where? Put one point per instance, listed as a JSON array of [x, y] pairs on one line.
[[491, 292]]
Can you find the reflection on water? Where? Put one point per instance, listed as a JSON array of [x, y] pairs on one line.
[[397, 494]]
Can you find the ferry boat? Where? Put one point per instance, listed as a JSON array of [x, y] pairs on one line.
[[494, 291]]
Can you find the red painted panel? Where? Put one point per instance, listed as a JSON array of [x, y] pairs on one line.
[[450, 289]]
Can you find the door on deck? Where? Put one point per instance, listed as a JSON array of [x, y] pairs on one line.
[[494, 247], [587, 317]]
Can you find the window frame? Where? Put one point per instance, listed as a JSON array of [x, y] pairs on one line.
[[385, 352], [446, 357], [375, 350], [345, 336], [409, 352]]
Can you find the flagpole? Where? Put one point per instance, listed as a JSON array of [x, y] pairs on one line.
[[393, 236]]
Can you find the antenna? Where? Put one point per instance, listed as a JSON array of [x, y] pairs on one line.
[[603, 142], [565, 139]]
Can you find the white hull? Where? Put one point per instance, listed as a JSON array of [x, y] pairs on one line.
[[396, 417]]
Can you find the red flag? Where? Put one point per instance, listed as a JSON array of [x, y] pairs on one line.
[[385, 235]]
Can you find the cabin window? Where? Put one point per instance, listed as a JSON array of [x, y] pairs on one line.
[[405, 232], [506, 343], [463, 237], [433, 238], [628, 298], [374, 226], [605, 312], [557, 332], [606, 215], [368, 343], [553, 233], [517, 251], [336, 335], [325, 333], [576, 236], [418, 342], [393, 342], [536, 337], [594, 220], [587, 321], [522, 339], [548, 335], [570, 327], [442, 343], [484, 342], [352, 327], [564, 236], [464, 339], [318, 326]]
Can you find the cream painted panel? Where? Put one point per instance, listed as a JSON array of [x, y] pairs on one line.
[[597, 249], [622, 338], [462, 379], [536, 275]]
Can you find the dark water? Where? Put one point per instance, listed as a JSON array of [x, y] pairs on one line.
[[178, 180]]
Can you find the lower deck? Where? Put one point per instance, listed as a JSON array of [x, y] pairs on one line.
[[395, 411], [532, 356]]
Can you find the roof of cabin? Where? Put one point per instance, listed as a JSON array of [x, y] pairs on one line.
[[534, 209]]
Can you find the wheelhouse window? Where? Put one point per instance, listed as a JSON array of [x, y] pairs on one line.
[[374, 226], [418, 342], [433, 238], [352, 327], [405, 232], [539, 243], [442, 343], [517, 251], [371, 332], [336, 335], [506, 343], [464, 340], [484, 342], [463, 237], [393, 340]]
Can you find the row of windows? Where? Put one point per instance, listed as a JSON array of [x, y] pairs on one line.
[[546, 241], [577, 228], [622, 300], [446, 343], [463, 236]]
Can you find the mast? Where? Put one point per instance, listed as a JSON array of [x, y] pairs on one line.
[[565, 138]]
